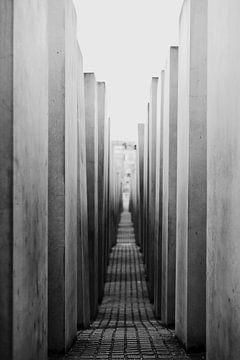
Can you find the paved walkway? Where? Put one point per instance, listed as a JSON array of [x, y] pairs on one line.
[[126, 327]]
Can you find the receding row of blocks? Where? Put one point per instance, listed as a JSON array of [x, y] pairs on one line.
[[54, 176], [188, 202], [173, 171]]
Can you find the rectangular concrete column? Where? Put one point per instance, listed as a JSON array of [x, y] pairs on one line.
[[82, 222], [152, 183], [223, 245], [169, 188], [62, 180], [101, 96], [140, 179], [23, 174], [158, 203], [106, 196], [192, 177], [145, 192], [92, 185]]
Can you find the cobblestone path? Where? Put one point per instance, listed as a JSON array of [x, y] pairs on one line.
[[126, 327]]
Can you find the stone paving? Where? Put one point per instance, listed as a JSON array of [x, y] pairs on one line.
[[126, 327]]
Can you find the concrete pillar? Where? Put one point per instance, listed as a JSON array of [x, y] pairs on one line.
[[62, 179], [169, 188], [101, 96], [106, 182], [92, 185], [146, 175], [158, 203], [82, 222], [152, 183], [140, 181], [191, 177], [23, 174], [106, 194], [223, 226]]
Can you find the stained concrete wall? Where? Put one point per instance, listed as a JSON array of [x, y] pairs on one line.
[[169, 188], [23, 173], [92, 185], [152, 183], [223, 228], [191, 176], [83, 307], [62, 227], [158, 203], [101, 98]]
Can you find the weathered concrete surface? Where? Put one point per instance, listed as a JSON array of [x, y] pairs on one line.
[[152, 183], [23, 173], [191, 176], [169, 188], [223, 249], [157, 255], [145, 191], [140, 184], [82, 222], [92, 185], [106, 196], [62, 229], [102, 127]]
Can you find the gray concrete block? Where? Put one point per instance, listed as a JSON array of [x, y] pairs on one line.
[[82, 222], [152, 183], [145, 185], [192, 176], [102, 128], [157, 255], [169, 188], [140, 182], [62, 229], [223, 226], [92, 185], [23, 174], [106, 196]]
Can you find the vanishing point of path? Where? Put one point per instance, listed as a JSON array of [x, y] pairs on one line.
[[126, 327]]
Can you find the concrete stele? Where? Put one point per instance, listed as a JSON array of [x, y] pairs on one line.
[[82, 245], [158, 202], [169, 188], [152, 183], [92, 185], [223, 225], [101, 98], [192, 177], [145, 190], [140, 177], [62, 179], [23, 173]]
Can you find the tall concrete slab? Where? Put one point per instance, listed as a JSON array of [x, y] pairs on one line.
[[106, 196], [158, 203], [145, 192], [140, 182], [92, 185], [169, 193], [23, 173], [192, 177], [223, 226], [152, 183], [62, 179], [102, 127], [82, 222]]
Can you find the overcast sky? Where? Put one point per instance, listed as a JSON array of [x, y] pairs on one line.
[[125, 43]]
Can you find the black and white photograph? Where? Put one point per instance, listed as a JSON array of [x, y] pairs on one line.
[[119, 179]]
